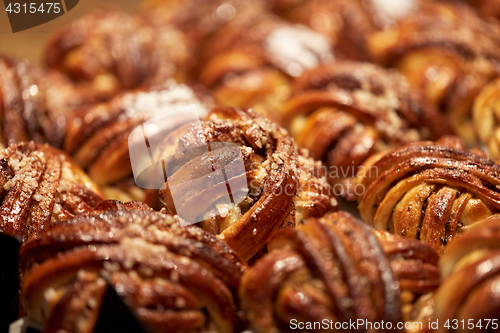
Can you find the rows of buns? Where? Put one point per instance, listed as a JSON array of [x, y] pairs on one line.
[[369, 137]]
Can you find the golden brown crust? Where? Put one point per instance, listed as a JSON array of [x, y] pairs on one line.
[[249, 61], [170, 276], [283, 186], [198, 19], [429, 192], [344, 112], [471, 272], [347, 22], [39, 185], [487, 8], [35, 102], [113, 51], [97, 137], [486, 118], [320, 270], [448, 52]]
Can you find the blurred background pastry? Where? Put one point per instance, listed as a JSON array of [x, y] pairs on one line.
[[115, 51], [347, 22], [486, 117], [249, 120], [251, 60], [98, 136], [487, 8], [447, 51], [35, 102]]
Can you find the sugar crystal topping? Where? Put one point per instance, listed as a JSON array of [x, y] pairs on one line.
[[25, 171], [295, 48], [151, 104]]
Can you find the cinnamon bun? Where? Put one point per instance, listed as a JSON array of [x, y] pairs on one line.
[[346, 111], [335, 269], [471, 274], [34, 102], [448, 52], [429, 191], [173, 278], [486, 118], [114, 51], [250, 61], [272, 185], [98, 137], [346, 22], [38, 185]]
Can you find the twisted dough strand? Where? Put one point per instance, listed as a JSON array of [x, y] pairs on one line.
[[448, 52], [346, 111], [114, 51], [38, 185], [337, 269], [429, 192], [172, 277], [471, 275], [283, 187], [35, 102]]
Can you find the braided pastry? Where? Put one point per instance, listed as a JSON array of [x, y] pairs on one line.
[[344, 112], [346, 22], [428, 191], [471, 272], [39, 184], [448, 52], [486, 118], [34, 102], [114, 51], [197, 19], [97, 137], [175, 279], [487, 8], [251, 60], [337, 269], [276, 187]]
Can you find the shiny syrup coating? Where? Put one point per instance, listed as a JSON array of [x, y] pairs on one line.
[[39, 185], [284, 186], [429, 191], [172, 277], [335, 268]]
